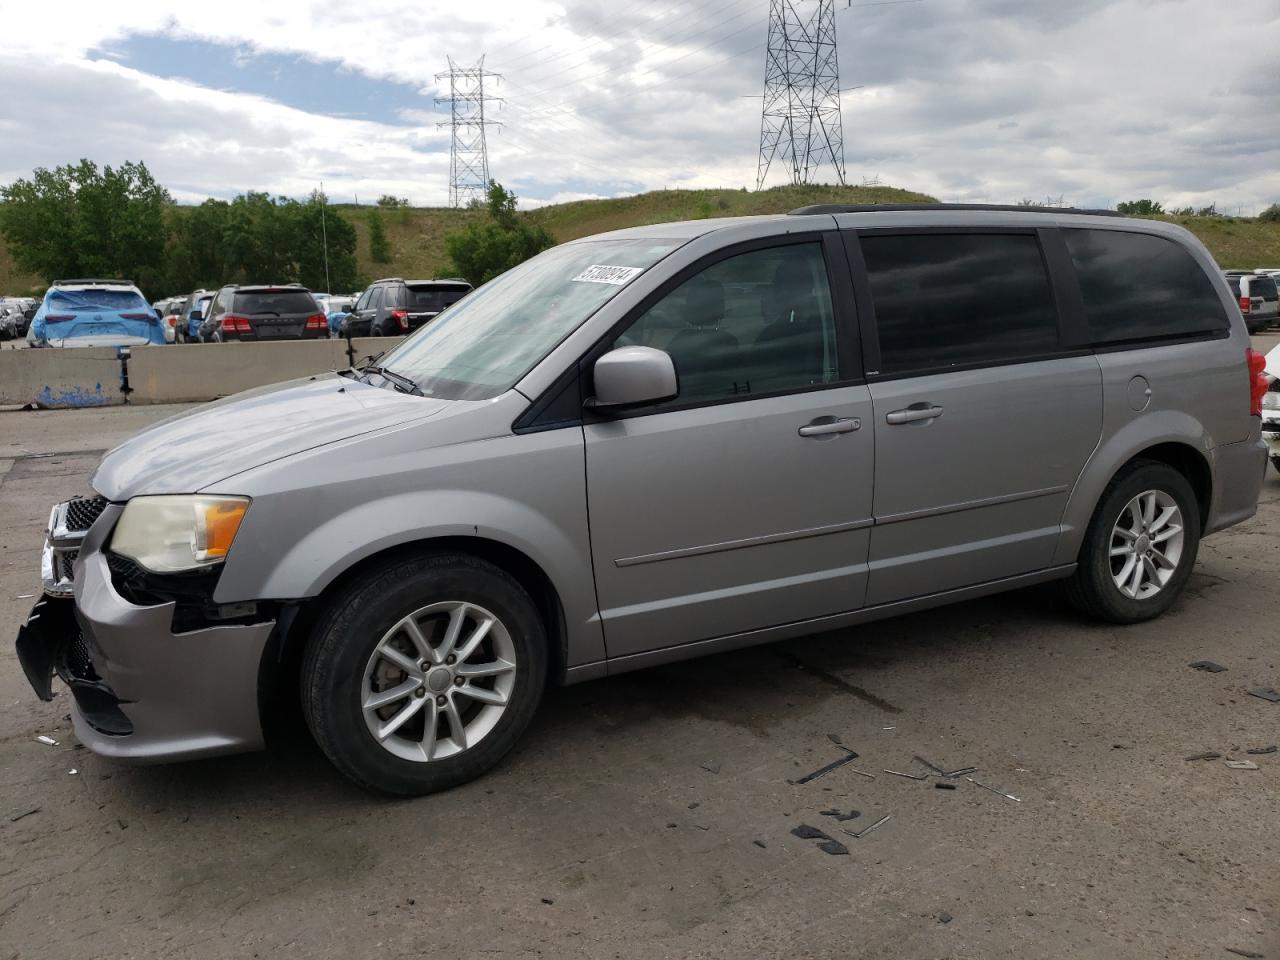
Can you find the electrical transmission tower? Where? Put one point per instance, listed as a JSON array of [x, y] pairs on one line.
[[800, 121], [468, 156]]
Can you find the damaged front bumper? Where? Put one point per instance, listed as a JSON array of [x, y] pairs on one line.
[[143, 691]]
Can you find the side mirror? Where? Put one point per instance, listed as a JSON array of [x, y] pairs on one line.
[[195, 315], [632, 377], [159, 314]]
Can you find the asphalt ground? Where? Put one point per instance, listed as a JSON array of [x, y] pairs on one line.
[[650, 815]]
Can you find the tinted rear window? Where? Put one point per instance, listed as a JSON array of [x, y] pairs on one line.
[[274, 301], [1264, 287], [97, 300], [943, 300], [1141, 287], [426, 297]]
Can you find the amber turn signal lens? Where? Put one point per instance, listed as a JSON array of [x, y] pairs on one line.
[[216, 526]]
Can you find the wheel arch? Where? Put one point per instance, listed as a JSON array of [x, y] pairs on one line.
[[1172, 438], [278, 703]]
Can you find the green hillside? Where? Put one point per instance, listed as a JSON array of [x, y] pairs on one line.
[[416, 235]]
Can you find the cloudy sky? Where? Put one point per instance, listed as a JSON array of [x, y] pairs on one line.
[[981, 100]]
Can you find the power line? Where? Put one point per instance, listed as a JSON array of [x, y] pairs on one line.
[[468, 153]]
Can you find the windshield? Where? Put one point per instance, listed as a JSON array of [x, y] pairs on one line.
[[480, 346], [98, 301]]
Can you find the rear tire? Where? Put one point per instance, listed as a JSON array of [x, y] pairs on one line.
[[388, 632], [1132, 566], [1275, 462]]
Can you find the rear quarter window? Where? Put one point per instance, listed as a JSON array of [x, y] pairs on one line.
[[1139, 287]]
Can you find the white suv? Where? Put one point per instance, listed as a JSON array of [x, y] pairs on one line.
[[1258, 297]]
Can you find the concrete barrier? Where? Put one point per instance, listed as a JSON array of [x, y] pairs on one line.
[[176, 373]]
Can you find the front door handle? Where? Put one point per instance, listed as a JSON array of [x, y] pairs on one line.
[[825, 426], [913, 413]]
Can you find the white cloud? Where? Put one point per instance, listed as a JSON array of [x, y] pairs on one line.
[[967, 99]]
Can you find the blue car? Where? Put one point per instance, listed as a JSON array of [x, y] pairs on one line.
[[94, 313], [335, 321], [193, 316]]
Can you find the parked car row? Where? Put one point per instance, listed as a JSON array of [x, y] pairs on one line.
[[15, 316], [103, 312], [1257, 294]]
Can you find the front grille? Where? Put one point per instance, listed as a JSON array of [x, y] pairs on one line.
[[79, 662], [64, 563], [83, 511]]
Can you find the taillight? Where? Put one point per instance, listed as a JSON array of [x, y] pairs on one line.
[[58, 317], [317, 322], [233, 324], [401, 317], [151, 317], [1245, 304], [1258, 382]]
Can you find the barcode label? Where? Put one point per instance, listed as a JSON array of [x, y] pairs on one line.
[[602, 273]]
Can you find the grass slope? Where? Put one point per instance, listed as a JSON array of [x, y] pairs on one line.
[[416, 235]]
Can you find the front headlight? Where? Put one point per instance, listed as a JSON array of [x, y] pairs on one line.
[[176, 534], [1271, 400]]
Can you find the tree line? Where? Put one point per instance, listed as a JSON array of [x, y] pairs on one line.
[[80, 220]]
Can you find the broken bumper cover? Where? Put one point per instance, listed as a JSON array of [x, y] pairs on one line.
[[143, 692]]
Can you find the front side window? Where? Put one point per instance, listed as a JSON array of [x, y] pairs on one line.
[[1138, 287], [946, 300], [484, 343], [756, 323]]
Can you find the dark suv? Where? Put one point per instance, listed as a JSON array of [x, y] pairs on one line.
[[391, 307], [263, 312]]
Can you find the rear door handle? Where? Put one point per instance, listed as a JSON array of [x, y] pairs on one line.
[[917, 411], [825, 426]]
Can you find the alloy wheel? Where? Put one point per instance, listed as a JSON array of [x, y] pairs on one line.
[[1146, 544], [438, 681]]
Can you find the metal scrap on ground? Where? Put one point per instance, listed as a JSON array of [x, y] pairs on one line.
[[1208, 666], [823, 771], [1266, 693]]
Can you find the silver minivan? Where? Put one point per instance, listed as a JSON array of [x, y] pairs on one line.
[[650, 445]]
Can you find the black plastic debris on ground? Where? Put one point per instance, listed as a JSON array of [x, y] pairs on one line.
[[711, 767], [1252, 955], [1208, 666], [945, 917], [944, 786], [761, 844], [1266, 693], [1207, 755], [1259, 751], [823, 771], [828, 845], [841, 816]]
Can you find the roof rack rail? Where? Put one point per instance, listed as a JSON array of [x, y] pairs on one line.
[[389, 280], [127, 283], [829, 208]]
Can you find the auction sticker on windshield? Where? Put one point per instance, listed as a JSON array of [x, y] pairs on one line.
[[602, 273]]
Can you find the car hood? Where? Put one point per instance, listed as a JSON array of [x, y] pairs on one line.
[[218, 440]]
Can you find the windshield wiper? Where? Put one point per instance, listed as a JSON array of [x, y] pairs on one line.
[[399, 380]]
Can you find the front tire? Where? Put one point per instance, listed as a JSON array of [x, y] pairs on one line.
[[1140, 546], [422, 675]]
